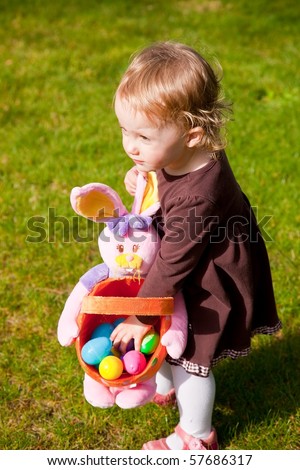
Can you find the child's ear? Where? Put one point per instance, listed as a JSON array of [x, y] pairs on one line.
[[194, 136]]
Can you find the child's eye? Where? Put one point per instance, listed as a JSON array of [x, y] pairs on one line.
[[135, 248], [143, 137], [120, 248]]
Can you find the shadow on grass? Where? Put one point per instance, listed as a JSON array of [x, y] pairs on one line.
[[259, 390]]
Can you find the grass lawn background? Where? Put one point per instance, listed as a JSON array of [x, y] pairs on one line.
[[60, 65]]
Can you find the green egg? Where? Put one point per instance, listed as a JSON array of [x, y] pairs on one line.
[[150, 342]]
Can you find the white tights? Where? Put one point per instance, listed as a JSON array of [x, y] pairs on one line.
[[195, 398]]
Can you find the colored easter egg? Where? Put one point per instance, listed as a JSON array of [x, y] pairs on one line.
[[105, 329], [111, 368], [134, 362], [95, 350], [115, 352], [150, 342], [118, 321]]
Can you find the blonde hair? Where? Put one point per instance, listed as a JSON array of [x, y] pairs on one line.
[[171, 82]]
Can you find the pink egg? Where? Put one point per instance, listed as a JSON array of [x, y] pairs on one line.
[[134, 362]]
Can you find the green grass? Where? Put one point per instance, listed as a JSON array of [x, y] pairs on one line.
[[60, 64]]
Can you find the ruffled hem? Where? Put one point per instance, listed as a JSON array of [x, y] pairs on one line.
[[203, 371], [190, 367], [267, 330]]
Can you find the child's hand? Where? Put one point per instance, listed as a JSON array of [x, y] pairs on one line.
[[130, 179], [128, 329]]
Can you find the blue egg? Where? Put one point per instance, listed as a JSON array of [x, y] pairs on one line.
[[105, 329], [118, 321], [95, 350]]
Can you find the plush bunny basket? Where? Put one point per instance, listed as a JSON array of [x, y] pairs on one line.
[[116, 298], [109, 292]]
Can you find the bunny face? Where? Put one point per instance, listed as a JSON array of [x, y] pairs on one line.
[[129, 255], [129, 243]]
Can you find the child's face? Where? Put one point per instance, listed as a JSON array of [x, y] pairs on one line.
[[151, 146]]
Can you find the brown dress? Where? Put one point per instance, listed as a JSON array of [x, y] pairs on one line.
[[213, 251]]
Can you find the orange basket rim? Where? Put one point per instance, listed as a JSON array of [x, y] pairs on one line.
[[115, 305]]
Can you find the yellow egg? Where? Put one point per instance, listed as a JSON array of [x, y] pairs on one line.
[[111, 368]]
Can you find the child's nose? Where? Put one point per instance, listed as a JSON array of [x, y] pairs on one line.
[[131, 148]]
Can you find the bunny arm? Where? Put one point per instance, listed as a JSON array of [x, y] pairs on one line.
[[67, 330], [175, 338], [94, 275]]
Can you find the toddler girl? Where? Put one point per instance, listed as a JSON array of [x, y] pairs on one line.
[[172, 115]]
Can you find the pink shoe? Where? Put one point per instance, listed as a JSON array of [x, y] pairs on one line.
[[190, 442], [165, 400]]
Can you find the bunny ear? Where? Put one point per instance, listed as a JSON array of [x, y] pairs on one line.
[[146, 201], [97, 202]]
